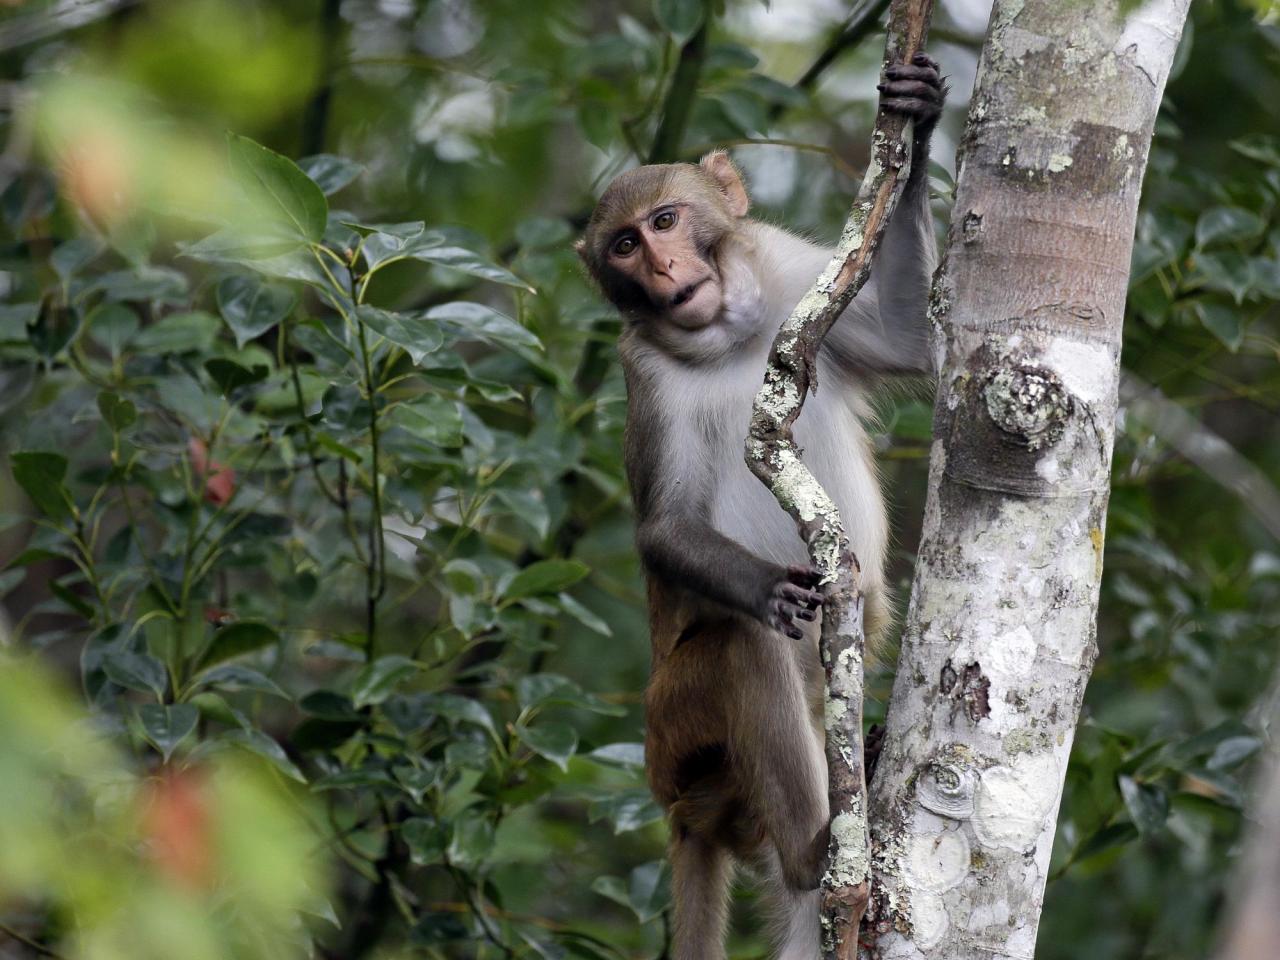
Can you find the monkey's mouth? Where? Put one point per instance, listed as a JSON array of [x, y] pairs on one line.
[[685, 294]]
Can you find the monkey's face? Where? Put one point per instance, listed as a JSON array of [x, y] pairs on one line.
[[661, 254], [653, 239]]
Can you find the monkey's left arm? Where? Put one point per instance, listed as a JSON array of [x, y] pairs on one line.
[[886, 329]]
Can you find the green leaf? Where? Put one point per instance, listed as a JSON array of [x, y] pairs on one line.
[[1224, 322], [417, 780], [472, 840], [112, 326], [56, 325], [329, 172], [584, 616], [118, 412], [40, 475], [646, 893], [1148, 805], [252, 307], [192, 332], [553, 741], [137, 671], [71, 599], [432, 418], [74, 254], [1227, 223], [426, 839], [235, 640], [459, 709], [167, 725], [628, 755], [296, 201], [434, 246], [255, 741], [545, 576], [680, 18], [547, 689], [377, 680], [627, 810], [416, 332], [1258, 146], [231, 376], [474, 321], [234, 676], [1232, 752]]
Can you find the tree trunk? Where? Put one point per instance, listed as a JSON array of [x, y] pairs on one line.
[[999, 637]]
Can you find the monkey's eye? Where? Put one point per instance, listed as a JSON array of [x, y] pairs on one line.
[[665, 220], [624, 246]]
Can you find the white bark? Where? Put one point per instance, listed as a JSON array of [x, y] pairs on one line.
[[999, 637]]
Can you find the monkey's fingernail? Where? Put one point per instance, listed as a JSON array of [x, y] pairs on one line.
[[807, 615], [882, 86]]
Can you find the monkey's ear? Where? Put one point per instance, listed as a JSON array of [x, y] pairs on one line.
[[727, 178], [580, 248]]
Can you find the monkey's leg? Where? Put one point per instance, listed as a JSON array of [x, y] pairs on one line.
[[794, 925], [700, 873], [776, 751]]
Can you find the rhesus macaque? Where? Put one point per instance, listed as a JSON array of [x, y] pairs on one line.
[[734, 742]]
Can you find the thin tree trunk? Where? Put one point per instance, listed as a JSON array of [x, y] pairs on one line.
[[999, 636]]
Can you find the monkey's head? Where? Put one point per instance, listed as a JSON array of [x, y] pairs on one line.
[[651, 243]]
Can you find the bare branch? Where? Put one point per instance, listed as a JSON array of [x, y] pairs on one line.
[[773, 456]]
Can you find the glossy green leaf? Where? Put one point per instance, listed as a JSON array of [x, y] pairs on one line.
[[112, 326], [40, 475], [471, 840], [237, 639], [553, 741], [251, 307], [329, 172], [167, 725], [646, 892], [474, 321], [118, 412], [294, 200], [231, 376], [257, 742], [629, 755], [1224, 322], [235, 676], [1148, 805], [419, 334], [1221, 224], [137, 671], [379, 679], [545, 576], [427, 840], [680, 18], [459, 709]]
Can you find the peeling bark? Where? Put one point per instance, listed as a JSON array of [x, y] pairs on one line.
[[772, 455], [999, 637]]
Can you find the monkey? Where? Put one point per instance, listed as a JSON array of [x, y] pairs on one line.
[[734, 736]]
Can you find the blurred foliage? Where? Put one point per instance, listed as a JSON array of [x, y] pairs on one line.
[[314, 474]]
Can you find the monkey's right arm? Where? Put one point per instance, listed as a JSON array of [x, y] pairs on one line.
[[886, 328], [677, 543]]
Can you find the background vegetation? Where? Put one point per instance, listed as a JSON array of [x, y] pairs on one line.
[[323, 628]]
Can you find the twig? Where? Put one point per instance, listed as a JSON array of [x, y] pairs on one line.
[[35, 945], [772, 455]]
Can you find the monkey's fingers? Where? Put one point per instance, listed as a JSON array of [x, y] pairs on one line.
[[804, 576], [918, 110], [922, 59], [903, 71], [911, 89], [809, 599]]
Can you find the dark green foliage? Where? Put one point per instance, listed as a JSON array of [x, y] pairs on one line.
[[319, 462]]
